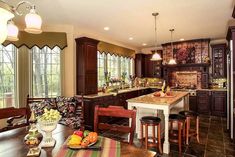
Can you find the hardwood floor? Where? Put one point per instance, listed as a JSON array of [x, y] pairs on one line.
[[214, 140]]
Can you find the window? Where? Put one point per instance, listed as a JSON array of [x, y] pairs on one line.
[[114, 65], [7, 76], [46, 74], [101, 70]]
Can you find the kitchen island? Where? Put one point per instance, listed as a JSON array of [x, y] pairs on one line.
[[153, 106]]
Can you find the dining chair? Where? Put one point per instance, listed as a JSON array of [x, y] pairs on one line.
[[16, 118], [115, 111]]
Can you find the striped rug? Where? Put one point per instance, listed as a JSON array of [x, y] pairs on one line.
[[109, 148]]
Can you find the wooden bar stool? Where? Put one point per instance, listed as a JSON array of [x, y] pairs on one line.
[[151, 121], [191, 115], [175, 136]]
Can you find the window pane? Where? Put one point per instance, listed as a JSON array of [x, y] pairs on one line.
[[7, 76], [46, 72], [101, 68]]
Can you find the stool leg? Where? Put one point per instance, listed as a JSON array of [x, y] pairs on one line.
[[179, 135], [146, 136], [187, 129], [159, 138], [197, 128], [141, 133], [154, 137]]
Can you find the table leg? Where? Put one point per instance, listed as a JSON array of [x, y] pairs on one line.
[[166, 145]]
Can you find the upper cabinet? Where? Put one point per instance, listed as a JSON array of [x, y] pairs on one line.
[[219, 60], [86, 65], [144, 67]]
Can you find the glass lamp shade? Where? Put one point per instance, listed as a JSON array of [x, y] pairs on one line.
[[156, 57], [172, 62], [5, 15], [33, 22], [12, 32]]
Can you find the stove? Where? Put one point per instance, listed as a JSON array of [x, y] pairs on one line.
[[192, 91]]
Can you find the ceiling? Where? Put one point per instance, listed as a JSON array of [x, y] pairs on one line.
[[133, 18]]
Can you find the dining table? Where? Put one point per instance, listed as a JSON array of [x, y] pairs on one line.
[[12, 144]]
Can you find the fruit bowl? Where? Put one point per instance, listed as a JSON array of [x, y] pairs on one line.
[[81, 140]]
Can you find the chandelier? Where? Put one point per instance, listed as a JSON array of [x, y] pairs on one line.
[[8, 30], [172, 60], [156, 56]]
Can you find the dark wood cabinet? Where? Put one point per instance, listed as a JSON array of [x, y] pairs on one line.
[[139, 65], [86, 65], [203, 102], [105, 101], [219, 61], [218, 103], [144, 67], [193, 103]]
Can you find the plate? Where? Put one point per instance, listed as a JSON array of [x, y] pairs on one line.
[[79, 146]]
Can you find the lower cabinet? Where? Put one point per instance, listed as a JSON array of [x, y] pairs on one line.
[[193, 103], [218, 103], [203, 102], [105, 101], [212, 102]]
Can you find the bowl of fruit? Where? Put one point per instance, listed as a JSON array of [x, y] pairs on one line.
[[82, 139]]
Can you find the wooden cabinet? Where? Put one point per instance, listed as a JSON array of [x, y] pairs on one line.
[[144, 67], [218, 103], [219, 60], [86, 65], [193, 103], [203, 102], [105, 101], [211, 103], [139, 65]]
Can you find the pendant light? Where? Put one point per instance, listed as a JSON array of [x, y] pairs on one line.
[[156, 56], [172, 60]]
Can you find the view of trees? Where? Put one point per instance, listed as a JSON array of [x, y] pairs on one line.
[[7, 75], [115, 65], [46, 72]]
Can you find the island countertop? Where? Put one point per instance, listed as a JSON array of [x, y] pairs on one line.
[[151, 99]]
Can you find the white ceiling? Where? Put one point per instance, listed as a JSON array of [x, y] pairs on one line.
[[191, 19]]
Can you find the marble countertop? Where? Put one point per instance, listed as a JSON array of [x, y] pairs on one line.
[[101, 94], [218, 89], [151, 99]]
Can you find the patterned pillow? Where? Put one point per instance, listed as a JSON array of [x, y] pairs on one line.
[[38, 107]]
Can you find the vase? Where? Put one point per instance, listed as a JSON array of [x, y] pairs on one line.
[[48, 127]]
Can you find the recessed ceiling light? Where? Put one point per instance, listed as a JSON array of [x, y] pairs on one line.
[[106, 28], [131, 38], [182, 39], [144, 44]]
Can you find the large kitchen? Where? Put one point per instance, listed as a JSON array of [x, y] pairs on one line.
[[111, 79]]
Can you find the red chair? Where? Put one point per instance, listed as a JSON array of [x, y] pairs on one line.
[[115, 111], [12, 114]]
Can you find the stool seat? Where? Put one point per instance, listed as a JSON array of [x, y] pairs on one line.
[[150, 120], [176, 117], [188, 113]]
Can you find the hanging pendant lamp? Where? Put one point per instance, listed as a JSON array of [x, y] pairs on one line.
[[155, 56], [172, 60]]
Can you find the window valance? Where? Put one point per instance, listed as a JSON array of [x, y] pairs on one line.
[[50, 39], [104, 47]]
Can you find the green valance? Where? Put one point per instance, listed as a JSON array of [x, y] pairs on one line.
[[50, 39], [115, 50]]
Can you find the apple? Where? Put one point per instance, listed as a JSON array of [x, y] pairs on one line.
[[78, 132]]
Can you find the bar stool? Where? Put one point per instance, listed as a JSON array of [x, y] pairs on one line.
[[175, 136], [151, 121], [191, 115]]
